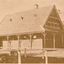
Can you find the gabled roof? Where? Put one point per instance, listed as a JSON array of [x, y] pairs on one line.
[[29, 16], [23, 22], [54, 20]]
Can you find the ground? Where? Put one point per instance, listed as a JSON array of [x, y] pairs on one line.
[[34, 57], [30, 59]]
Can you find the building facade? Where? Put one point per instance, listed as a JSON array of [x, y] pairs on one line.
[[34, 29]]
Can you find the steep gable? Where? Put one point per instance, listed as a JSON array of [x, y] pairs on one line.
[[54, 21]]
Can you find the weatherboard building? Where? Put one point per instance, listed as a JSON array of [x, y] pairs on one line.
[[34, 29]]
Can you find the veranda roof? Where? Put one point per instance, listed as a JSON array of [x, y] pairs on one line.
[[24, 29]]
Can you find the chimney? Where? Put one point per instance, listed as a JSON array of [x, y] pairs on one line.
[[36, 6]]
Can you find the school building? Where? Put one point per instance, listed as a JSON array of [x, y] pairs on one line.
[[33, 29]]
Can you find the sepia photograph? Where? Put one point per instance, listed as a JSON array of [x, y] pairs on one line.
[[32, 31]]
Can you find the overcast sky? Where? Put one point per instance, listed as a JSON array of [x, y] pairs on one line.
[[12, 6]]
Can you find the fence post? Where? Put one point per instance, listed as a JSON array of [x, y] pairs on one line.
[[43, 44], [42, 53], [46, 58], [25, 52], [19, 57], [19, 51]]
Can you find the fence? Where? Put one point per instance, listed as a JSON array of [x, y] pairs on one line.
[[45, 52]]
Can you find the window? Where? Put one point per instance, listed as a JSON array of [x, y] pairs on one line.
[[24, 36], [34, 36]]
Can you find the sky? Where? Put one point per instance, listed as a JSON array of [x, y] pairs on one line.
[[13, 6]]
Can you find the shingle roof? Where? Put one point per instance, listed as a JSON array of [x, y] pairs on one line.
[[25, 22]]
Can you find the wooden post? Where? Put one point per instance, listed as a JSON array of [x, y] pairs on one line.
[[53, 40], [9, 43], [19, 51], [44, 40], [46, 58], [30, 35], [31, 41], [42, 50], [62, 40], [19, 57], [25, 52], [19, 43], [43, 45]]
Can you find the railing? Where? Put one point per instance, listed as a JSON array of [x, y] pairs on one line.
[[45, 52]]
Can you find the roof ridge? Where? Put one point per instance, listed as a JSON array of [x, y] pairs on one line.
[[29, 10]]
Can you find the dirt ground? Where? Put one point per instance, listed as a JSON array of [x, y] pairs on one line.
[[30, 59]]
